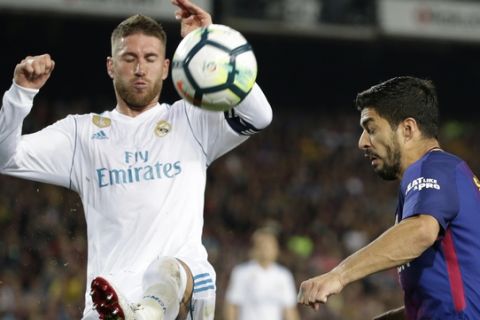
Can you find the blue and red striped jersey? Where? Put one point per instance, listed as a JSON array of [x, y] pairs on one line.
[[444, 282]]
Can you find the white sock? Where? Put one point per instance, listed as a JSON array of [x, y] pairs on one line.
[[164, 285]]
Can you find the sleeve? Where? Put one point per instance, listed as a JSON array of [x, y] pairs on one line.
[[219, 132], [234, 293], [432, 191], [251, 115], [44, 156]]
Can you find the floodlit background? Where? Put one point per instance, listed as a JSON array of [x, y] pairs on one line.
[[303, 174]]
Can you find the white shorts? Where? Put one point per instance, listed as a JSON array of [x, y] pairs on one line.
[[202, 309], [202, 306]]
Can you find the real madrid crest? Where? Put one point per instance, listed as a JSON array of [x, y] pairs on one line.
[[162, 128], [101, 122]]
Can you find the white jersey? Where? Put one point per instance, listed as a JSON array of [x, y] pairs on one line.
[[261, 293], [141, 179]]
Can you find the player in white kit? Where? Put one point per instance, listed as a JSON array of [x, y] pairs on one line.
[[140, 170], [261, 288]]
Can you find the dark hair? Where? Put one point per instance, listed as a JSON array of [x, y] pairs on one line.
[[138, 24], [403, 97]]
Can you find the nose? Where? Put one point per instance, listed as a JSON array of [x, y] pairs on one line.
[[139, 69], [364, 141]]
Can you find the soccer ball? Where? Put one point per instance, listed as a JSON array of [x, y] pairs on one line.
[[214, 68]]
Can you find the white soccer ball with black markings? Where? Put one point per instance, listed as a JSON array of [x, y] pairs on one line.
[[214, 68]]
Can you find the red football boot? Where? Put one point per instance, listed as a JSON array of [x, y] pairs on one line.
[[109, 304]]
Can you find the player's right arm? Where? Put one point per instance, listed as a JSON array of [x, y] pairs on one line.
[[46, 155], [33, 72], [398, 245], [395, 314]]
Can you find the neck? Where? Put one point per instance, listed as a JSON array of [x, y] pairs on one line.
[[264, 264], [434, 148], [130, 111], [416, 152]]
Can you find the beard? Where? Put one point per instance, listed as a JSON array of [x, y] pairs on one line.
[[391, 167], [137, 100]]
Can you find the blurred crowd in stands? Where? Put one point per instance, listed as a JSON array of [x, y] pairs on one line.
[[303, 175], [352, 12]]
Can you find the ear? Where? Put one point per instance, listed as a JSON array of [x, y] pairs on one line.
[[409, 128], [166, 66], [110, 67]]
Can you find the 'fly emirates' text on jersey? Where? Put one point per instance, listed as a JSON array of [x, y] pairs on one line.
[[444, 282]]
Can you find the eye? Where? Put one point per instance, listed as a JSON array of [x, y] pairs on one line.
[[128, 57], [151, 58]]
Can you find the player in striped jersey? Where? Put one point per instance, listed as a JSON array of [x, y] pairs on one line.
[[434, 243], [140, 170]]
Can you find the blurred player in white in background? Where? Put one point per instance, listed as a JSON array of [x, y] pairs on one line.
[[140, 170], [261, 288]]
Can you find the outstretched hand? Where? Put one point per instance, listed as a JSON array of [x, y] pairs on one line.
[[33, 72], [191, 16]]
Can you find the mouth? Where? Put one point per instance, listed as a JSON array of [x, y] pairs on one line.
[[140, 85], [374, 159]]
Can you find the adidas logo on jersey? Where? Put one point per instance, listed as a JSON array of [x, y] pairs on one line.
[[100, 135]]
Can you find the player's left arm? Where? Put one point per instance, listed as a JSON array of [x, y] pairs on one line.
[[233, 127], [251, 115], [219, 132], [254, 113], [398, 245]]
